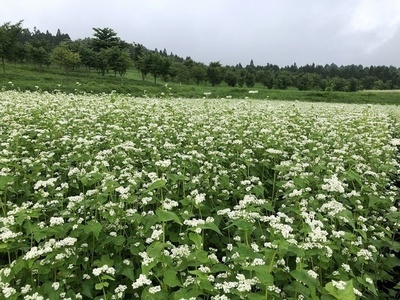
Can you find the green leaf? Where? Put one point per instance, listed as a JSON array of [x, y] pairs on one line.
[[21, 263], [373, 200], [3, 246], [4, 180], [211, 226], [264, 276], [348, 215], [104, 260], [171, 279], [186, 294], [219, 268], [196, 238], [346, 294], [165, 216], [100, 285], [118, 240], [157, 184], [370, 287], [302, 275], [155, 250], [296, 250], [176, 178], [107, 277], [253, 296], [102, 198], [241, 224], [352, 175], [84, 180], [93, 226], [146, 295], [128, 272], [202, 256]]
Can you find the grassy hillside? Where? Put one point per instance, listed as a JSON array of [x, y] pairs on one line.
[[27, 77]]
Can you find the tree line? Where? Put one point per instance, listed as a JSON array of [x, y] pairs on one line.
[[105, 52]]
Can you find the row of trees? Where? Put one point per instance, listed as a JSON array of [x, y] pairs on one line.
[[105, 52]]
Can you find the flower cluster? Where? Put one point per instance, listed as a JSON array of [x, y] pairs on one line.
[[130, 198]]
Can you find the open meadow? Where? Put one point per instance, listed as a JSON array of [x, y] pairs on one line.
[[110, 196]]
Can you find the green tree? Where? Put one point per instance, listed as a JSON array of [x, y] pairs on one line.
[[137, 50], [214, 73], [266, 78], [38, 53], [87, 54], [381, 85], [104, 39], [282, 80], [180, 72], [165, 67], [303, 82], [20, 53], [143, 64], [8, 40], [368, 82], [118, 60], [242, 74], [352, 84], [231, 78], [198, 72], [65, 58], [337, 84], [155, 65], [249, 79]]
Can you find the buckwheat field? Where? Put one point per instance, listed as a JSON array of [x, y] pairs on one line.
[[114, 197]]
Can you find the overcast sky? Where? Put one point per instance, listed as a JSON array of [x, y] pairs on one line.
[[279, 32]]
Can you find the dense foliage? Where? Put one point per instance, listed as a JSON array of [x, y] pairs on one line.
[[105, 52], [114, 197]]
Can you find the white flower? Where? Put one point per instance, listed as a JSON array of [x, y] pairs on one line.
[[97, 271], [340, 285], [141, 281], [55, 285], [199, 198], [312, 274], [333, 184], [56, 221], [154, 289], [357, 292], [367, 255], [26, 289], [346, 267], [258, 262], [8, 291]]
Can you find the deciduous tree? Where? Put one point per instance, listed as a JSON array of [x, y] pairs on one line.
[[8, 40], [214, 73], [65, 58]]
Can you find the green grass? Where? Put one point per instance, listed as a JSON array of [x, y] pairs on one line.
[[50, 79]]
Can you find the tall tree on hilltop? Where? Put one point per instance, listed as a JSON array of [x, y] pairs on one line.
[[8, 40], [104, 39]]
